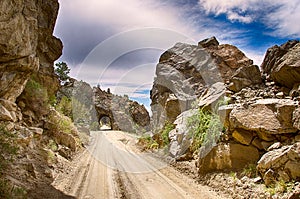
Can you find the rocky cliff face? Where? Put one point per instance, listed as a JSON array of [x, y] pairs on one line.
[[27, 46], [27, 87], [124, 114], [260, 116]]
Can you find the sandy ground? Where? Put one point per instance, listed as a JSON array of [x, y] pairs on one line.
[[112, 167]]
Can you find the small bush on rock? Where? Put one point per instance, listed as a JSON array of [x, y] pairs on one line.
[[204, 128]]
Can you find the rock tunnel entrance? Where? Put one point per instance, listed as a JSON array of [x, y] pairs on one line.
[[105, 122]]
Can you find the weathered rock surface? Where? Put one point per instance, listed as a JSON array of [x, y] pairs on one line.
[[26, 43], [27, 47], [282, 65], [282, 163], [296, 118], [211, 97], [180, 138], [227, 156], [244, 77], [271, 116], [186, 72], [124, 114]]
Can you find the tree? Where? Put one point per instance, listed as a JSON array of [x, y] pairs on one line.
[[62, 70]]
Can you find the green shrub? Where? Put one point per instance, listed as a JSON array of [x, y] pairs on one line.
[[147, 142], [65, 106], [165, 133], [280, 187], [250, 171], [60, 123], [204, 128], [8, 148], [52, 145]]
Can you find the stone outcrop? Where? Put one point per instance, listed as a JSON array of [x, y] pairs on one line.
[[124, 114], [180, 139], [27, 46], [228, 156], [244, 77], [261, 119], [266, 116], [185, 72], [26, 43], [280, 164], [81, 97], [28, 83], [281, 64]]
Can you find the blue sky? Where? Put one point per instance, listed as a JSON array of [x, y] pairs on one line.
[[83, 26]]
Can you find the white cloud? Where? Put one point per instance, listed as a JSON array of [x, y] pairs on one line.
[[281, 15], [286, 19], [125, 14]]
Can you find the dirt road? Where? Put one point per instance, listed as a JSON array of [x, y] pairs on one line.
[[112, 167]]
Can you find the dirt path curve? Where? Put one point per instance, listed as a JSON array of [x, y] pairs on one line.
[[112, 167]]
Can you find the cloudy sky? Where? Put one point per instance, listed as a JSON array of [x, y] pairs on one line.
[[117, 43]]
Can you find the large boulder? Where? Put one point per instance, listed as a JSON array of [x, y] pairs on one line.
[[244, 77], [28, 48], [213, 95], [180, 138], [286, 71], [282, 163], [282, 64], [187, 71], [266, 116], [227, 156]]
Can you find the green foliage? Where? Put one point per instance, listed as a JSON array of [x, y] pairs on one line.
[[65, 107], [280, 187], [224, 101], [94, 126], [8, 148], [204, 127], [60, 123], [62, 70], [52, 145], [165, 133], [233, 175], [148, 142], [250, 171], [52, 100]]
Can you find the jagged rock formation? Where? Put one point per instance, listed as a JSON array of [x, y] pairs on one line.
[[281, 64], [27, 44], [124, 114], [28, 86], [185, 72], [261, 120]]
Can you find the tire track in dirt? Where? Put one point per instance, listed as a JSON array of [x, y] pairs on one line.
[[112, 167]]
